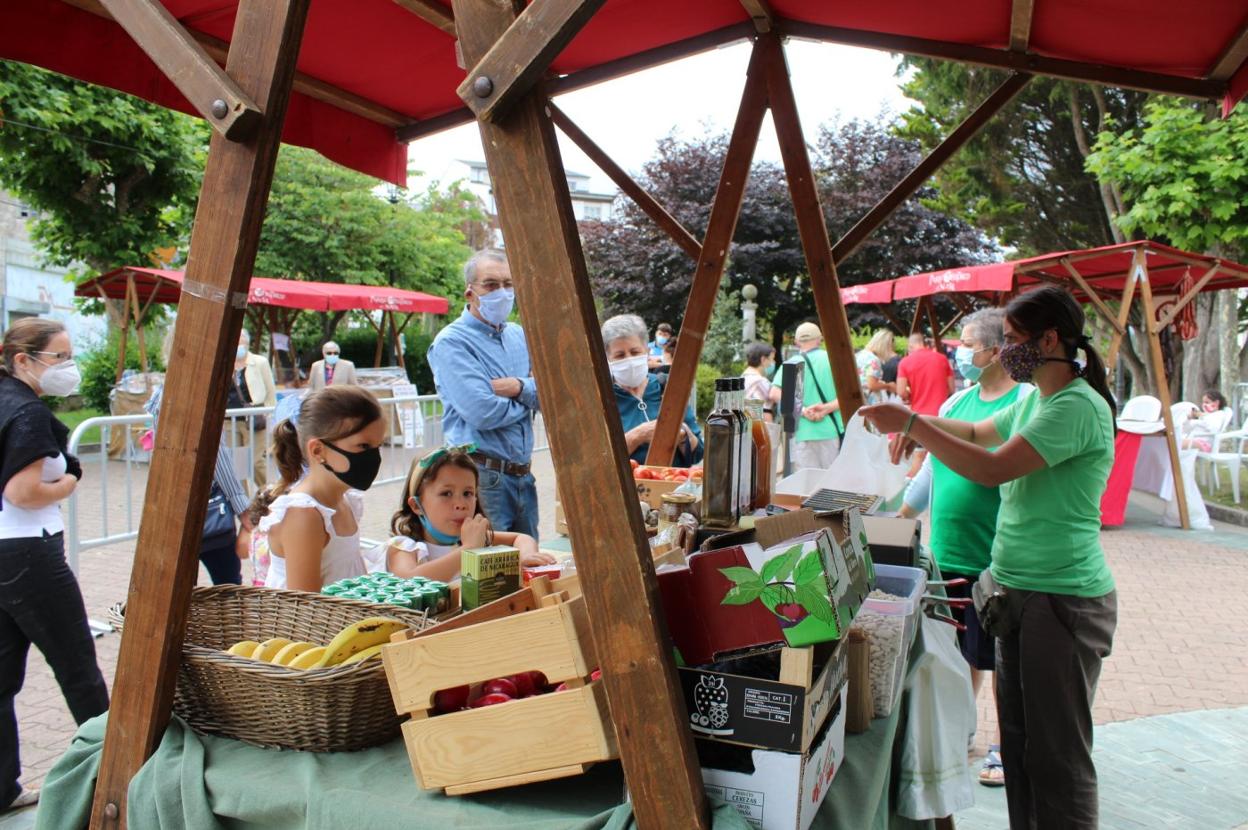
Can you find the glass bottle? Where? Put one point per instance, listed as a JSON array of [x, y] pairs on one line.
[[762, 454], [720, 462], [746, 448]]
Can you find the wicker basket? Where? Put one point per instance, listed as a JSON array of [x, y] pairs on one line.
[[336, 709]]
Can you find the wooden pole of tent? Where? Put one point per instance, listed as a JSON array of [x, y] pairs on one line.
[[125, 331], [262, 56], [916, 323], [402, 356], [710, 268], [381, 336], [933, 322], [1124, 310], [892, 318], [133, 291], [1163, 392], [812, 228], [587, 446]]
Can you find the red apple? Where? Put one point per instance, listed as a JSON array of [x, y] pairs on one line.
[[596, 674], [490, 699], [540, 684], [450, 700], [524, 684], [502, 686], [562, 687]]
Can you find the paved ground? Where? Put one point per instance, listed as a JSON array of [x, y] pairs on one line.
[[1180, 647]]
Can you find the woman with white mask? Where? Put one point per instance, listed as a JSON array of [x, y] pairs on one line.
[[638, 392], [40, 601]]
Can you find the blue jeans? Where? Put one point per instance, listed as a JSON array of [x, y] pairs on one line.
[[40, 603], [510, 502]]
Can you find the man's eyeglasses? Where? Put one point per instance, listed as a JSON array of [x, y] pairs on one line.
[[427, 461], [491, 285]]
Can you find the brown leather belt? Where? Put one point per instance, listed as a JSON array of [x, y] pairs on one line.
[[505, 467]]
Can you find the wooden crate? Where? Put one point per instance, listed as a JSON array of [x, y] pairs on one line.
[[532, 739]]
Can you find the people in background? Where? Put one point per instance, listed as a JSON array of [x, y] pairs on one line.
[[924, 376], [1213, 417], [639, 392], [871, 359], [40, 601], [252, 386], [312, 521], [439, 515], [658, 346], [963, 519], [669, 354], [889, 375], [1055, 603], [332, 369], [481, 368], [760, 365], [819, 431]]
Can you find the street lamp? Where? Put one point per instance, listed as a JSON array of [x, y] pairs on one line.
[[748, 309]]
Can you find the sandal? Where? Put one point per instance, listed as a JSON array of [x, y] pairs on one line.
[[992, 773], [26, 798]]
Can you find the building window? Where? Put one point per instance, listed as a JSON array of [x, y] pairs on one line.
[[479, 175], [593, 211]]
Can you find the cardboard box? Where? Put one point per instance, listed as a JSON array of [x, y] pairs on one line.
[[783, 714], [488, 574], [777, 790], [652, 492], [893, 541]]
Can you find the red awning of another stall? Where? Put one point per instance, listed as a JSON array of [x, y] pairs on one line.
[[1107, 269], [969, 279], [880, 293], [381, 298]]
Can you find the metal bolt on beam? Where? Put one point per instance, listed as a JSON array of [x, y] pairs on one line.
[[483, 87]]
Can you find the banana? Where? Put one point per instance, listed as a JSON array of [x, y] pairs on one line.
[[358, 637], [308, 660], [242, 649], [290, 652], [361, 656], [268, 648]]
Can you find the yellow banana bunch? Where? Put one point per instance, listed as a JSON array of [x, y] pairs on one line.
[[354, 644]]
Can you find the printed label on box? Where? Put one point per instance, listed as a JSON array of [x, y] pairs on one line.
[[749, 803], [744, 710], [776, 707]]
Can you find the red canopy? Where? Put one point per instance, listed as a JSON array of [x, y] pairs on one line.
[[968, 279], [371, 72], [880, 293], [165, 286]]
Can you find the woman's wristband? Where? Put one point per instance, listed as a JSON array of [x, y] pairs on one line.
[[909, 423]]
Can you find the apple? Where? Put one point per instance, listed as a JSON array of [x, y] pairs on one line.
[[450, 700], [540, 684], [562, 687], [596, 674], [523, 683], [501, 686], [490, 699]]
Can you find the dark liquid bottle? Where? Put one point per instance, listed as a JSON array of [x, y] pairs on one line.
[[720, 481]]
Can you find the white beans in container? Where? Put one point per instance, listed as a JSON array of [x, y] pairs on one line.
[[885, 634]]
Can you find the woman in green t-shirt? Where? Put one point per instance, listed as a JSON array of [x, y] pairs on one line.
[[1055, 450]]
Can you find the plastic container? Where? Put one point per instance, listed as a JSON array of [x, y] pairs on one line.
[[890, 626]]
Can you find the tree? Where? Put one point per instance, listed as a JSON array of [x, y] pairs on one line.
[[1184, 174], [326, 223], [636, 268], [112, 178]]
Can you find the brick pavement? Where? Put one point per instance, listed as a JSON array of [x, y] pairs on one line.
[[1179, 647]]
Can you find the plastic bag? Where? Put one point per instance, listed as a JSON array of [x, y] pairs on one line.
[[934, 779], [863, 466]]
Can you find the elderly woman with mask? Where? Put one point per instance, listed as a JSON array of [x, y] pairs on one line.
[[638, 392]]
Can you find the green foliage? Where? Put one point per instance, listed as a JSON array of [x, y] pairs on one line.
[[704, 381], [99, 366], [113, 178], [722, 347], [1184, 174]]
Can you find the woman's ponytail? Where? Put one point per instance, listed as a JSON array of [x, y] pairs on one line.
[[289, 457], [1096, 373]]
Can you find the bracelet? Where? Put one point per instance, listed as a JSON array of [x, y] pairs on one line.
[[910, 423]]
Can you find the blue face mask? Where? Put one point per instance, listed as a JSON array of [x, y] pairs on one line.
[[331, 360], [497, 305], [433, 533], [965, 357]]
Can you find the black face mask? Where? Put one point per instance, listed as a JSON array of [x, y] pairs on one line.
[[362, 466]]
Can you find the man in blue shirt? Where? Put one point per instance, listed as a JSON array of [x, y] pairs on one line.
[[662, 336], [481, 368]]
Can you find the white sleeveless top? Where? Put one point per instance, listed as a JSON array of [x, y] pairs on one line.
[[425, 551], [341, 557]]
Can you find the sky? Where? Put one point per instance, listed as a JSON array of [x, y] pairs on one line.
[[628, 116]]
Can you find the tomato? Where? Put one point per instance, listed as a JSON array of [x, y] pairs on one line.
[[634, 463], [644, 474]]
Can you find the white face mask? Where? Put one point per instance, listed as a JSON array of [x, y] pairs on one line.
[[60, 380], [630, 372]]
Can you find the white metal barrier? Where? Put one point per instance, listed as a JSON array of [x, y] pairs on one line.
[[115, 504]]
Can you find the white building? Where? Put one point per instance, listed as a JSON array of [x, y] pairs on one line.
[[29, 288]]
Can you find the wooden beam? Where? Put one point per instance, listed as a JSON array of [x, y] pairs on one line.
[[945, 330], [226, 233], [1163, 394], [897, 325], [580, 79], [933, 322], [523, 54], [1093, 297], [211, 91], [1232, 57], [760, 14], [1002, 59], [666, 222], [1181, 303], [1124, 309], [915, 323], [587, 447], [833, 322], [125, 329], [433, 12], [304, 84], [706, 277], [1020, 24], [964, 305], [903, 190], [133, 291]]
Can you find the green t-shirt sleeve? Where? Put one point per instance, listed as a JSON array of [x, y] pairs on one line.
[[1059, 430], [1004, 420]]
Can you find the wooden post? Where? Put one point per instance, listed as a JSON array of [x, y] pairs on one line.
[[933, 322], [916, 322], [1163, 392], [1124, 310], [125, 331], [811, 227], [381, 337], [897, 325], [710, 268], [262, 58], [1093, 297], [587, 443]]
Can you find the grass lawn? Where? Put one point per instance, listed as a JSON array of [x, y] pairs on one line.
[[1223, 495], [72, 418]]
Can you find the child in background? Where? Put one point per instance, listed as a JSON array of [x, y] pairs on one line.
[[439, 514], [311, 522]]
